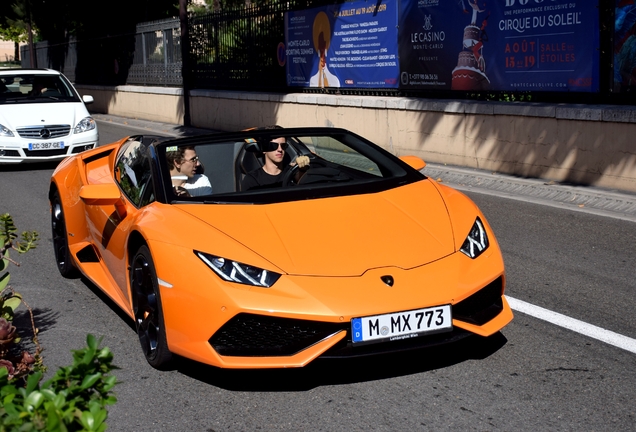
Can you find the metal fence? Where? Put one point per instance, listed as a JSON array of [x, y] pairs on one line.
[[237, 49], [150, 56], [62, 57], [229, 49], [157, 55]]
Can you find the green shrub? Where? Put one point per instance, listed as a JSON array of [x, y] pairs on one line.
[[75, 399]]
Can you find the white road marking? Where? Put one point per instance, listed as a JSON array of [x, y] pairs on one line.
[[575, 325]]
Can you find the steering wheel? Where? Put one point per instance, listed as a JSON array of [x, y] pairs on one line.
[[289, 179]]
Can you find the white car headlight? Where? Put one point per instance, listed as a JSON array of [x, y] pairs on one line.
[[233, 271], [5, 132], [477, 240], [85, 125]]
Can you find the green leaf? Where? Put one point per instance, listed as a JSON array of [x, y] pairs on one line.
[[90, 380], [100, 416], [54, 421], [34, 400], [33, 381], [28, 242], [59, 401], [7, 227], [87, 420], [49, 394], [12, 409], [13, 302], [109, 382], [4, 281], [105, 354]]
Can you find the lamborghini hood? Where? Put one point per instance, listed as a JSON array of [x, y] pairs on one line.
[[344, 236]]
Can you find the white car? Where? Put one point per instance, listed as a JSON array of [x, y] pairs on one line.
[[42, 117]]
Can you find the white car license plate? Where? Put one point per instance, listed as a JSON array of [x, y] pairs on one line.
[[46, 145], [402, 325]]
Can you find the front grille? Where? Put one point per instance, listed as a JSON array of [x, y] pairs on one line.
[[51, 152], [482, 306], [44, 132], [250, 335]]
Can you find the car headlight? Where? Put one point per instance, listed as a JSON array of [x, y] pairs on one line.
[[85, 125], [233, 271], [477, 240], [5, 132]]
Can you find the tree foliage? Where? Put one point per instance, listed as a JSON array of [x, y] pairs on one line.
[[58, 20]]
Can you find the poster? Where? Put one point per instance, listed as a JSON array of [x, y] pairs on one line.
[[351, 45], [514, 45], [625, 45]]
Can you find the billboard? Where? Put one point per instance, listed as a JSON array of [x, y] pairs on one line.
[[463, 45], [624, 46], [509, 45], [351, 45], [514, 45]]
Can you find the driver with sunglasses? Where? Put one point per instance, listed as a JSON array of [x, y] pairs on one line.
[[272, 172], [183, 163]]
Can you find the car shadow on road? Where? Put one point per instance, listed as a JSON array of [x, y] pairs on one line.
[[108, 302], [345, 371]]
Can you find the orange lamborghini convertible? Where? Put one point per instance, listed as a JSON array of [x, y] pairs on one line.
[[354, 253]]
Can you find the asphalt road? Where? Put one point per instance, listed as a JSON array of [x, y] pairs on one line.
[[535, 375]]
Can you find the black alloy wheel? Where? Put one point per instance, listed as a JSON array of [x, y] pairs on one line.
[[147, 310], [60, 239]]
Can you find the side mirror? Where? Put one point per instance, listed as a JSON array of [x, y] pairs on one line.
[[88, 99], [104, 194], [414, 162]]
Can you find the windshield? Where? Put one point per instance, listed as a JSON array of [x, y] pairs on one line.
[[275, 166], [22, 87]]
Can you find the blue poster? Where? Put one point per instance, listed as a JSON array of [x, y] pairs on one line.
[[624, 45], [514, 45], [350, 45]]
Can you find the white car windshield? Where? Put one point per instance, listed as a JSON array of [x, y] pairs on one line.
[[24, 87]]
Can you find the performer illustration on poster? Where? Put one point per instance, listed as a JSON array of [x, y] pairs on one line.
[[322, 37], [470, 73]]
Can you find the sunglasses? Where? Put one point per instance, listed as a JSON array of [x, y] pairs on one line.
[[273, 146], [194, 160]]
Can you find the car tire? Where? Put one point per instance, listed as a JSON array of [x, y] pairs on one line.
[[147, 310], [60, 238]]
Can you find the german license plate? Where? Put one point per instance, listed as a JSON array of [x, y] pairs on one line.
[[401, 325], [46, 145]]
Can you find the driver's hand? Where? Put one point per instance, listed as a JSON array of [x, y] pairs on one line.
[[181, 191], [302, 161]]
